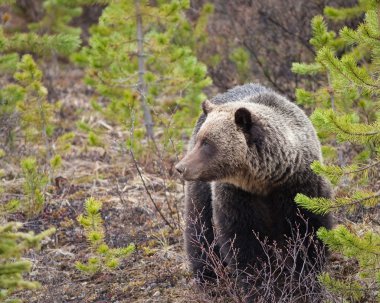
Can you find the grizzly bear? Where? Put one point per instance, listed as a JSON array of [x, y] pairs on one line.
[[248, 157]]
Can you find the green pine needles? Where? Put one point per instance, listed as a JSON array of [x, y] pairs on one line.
[[347, 117], [346, 127], [42, 45], [351, 203], [102, 256], [365, 249], [12, 267]]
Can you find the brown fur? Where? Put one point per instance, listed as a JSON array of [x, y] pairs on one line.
[[250, 154]]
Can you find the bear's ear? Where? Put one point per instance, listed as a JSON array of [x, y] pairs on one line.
[[243, 119], [207, 107]]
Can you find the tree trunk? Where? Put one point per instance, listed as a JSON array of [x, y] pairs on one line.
[[142, 89]]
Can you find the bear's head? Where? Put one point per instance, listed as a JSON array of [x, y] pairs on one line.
[[225, 146]]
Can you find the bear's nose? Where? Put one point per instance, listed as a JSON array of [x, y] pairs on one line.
[[180, 168]]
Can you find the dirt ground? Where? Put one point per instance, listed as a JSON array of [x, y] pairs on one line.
[[157, 271]]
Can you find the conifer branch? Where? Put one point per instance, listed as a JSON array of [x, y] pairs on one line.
[[353, 70], [372, 165], [42, 45], [354, 133], [324, 206], [13, 244], [327, 59], [357, 202]]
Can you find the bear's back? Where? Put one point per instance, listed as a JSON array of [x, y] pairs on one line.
[[240, 93], [256, 93]]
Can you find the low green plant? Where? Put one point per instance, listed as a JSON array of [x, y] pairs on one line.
[[102, 256]]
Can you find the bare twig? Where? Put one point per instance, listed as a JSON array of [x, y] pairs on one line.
[[148, 191], [142, 179], [284, 273]]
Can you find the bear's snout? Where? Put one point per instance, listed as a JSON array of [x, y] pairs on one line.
[[189, 171], [195, 166], [180, 168]]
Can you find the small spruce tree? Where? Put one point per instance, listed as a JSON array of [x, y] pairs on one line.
[[36, 121], [347, 116], [102, 256], [35, 112]]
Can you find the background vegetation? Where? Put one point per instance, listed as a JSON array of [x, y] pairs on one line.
[[97, 102]]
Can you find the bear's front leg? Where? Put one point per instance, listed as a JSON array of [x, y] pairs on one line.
[[199, 236]]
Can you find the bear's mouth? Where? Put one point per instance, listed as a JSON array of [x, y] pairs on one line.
[[186, 173], [196, 164], [194, 171]]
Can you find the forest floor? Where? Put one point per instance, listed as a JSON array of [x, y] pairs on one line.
[[157, 270]]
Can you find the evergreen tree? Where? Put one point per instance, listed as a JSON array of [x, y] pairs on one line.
[[347, 115], [139, 57], [35, 118], [103, 257], [13, 43]]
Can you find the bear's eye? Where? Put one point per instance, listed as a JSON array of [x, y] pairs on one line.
[[205, 142], [208, 147]]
